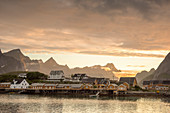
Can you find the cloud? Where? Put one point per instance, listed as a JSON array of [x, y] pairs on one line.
[[103, 27], [136, 66]]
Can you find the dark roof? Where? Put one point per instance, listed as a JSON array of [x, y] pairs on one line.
[[93, 79], [146, 82], [18, 81], [129, 80], [79, 75], [57, 72], [156, 82], [166, 82]]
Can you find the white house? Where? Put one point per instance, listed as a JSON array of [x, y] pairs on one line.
[[22, 75], [19, 83], [57, 75]]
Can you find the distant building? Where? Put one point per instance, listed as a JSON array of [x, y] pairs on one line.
[[79, 77], [112, 87], [96, 81], [146, 84], [22, 75], [56, 75], [19, 83], [5, 85], [37, 85], [122, 88], [126, 84], [130, 80], [156, 84]]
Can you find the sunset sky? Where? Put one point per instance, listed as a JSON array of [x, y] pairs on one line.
[[132, 34]]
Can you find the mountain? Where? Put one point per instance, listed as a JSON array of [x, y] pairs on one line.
[[161, 73], [9, 64], [51, 64], [24, 63], [29, 65], [143, 76], [163, 70], [112, 67]]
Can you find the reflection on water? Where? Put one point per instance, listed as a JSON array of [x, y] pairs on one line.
[[53, 104]]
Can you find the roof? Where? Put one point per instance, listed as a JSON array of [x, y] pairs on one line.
[[114, 84], [76, 85], [56, 72], [50, 84], [129, 80], [93, 79], [62, 85], [18, 81], [122, 85], [79, 75], [5, 83], [166, 82], [37, 84], [146, 82]]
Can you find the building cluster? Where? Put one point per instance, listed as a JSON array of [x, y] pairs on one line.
[[77, 81], [156, 85]]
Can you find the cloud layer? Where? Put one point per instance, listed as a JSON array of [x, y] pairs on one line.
[[102, 27]]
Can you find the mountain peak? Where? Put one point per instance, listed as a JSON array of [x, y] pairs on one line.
[[112, 67], [51, 60]]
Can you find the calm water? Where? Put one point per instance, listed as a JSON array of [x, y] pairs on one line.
[[49, 104]]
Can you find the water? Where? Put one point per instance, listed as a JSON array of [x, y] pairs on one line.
[[52, 104]]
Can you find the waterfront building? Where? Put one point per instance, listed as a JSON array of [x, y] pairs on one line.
[[50, 86], [102, 86], [56, 75], [156, 84], [161, 88], [122, 88], [76, 86], [126, 84], [19, 83], [66, 86], [79, 76], [130, 80], [87, 86], [5, 85], [37, 85], [146, 85], [96, 81], [112, 86]]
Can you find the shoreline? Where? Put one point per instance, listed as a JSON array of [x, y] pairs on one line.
[[83, 93]]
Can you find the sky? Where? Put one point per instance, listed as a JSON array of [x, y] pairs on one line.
[[132, 34]]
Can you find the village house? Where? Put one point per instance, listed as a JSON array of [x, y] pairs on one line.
[[56, 75], [121, 88], [130, 80], [112, 87], [87, 86], [22, 75], [66, 86], [146, 85], [161, 88], [19, 83], [77, 86], [50, 86], [38, 85], [96, 81], [5, 85], [156, 84], [79, 77], [126, 84]]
